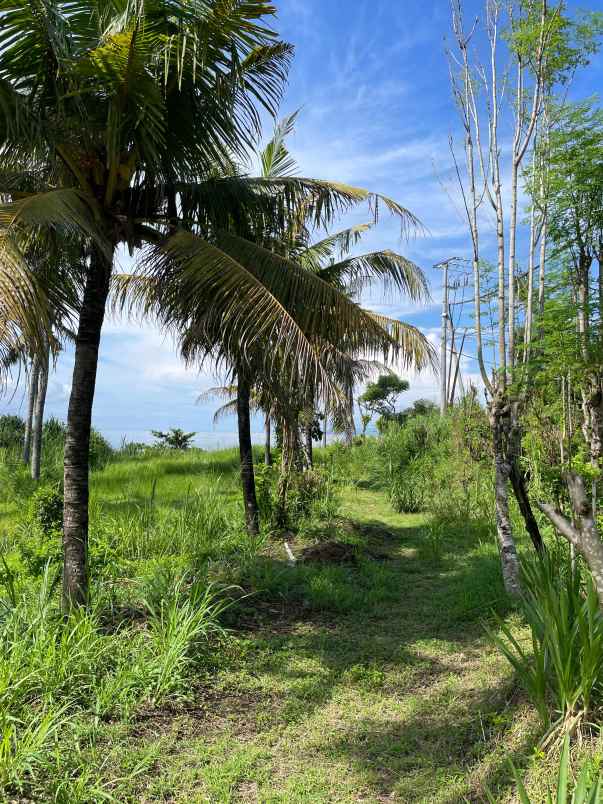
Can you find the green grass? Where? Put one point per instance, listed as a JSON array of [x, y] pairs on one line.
[[339, 683]]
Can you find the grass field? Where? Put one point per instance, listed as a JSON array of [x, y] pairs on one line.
[[372, 681]]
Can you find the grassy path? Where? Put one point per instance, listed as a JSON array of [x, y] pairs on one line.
[[404, 701]]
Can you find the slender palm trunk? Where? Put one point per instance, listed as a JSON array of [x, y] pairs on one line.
[[38, 419], [268, 440], [309, 447], [31, 401], [290, 446], [252, 512], [79, 422]]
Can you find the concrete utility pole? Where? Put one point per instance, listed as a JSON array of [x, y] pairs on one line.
[[444, 337]]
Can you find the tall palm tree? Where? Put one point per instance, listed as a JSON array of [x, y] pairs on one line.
[[126, 107]]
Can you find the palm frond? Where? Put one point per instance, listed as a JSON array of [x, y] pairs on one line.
[[69, 209], [219, 392], [228, 409], [314, 257], [415, 350], [391, 269], [275, 158], [24, 315]]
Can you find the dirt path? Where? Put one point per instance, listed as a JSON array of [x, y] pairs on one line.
[[403, 702]]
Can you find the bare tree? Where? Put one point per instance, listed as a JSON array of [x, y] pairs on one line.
[[479, 92]]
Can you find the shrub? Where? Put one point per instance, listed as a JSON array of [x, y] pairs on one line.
[[101, 451], [46, 508], [39, 545], [175, 438], [54, 430], [12, 431], [563, 673]]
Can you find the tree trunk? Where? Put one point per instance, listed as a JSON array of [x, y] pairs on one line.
[[499, 411], [252, 512], [31, 402], [79, 422], [268, 441], [289, 429], [521, 495], [518, 481], [38, 420], [583, 534], [309, 447]]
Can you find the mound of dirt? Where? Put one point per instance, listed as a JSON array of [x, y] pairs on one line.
[[333, 552], [330, 553]]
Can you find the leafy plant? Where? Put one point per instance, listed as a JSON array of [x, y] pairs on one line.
[[175, 438], [585, 791], [12, 431], [563, 673]]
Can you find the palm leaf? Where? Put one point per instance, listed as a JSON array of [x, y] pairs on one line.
[[313, 257], [390, 268], [275, 158], [414, 348], [69, 209]]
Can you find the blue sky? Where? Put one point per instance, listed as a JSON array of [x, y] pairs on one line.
[[371, 79]]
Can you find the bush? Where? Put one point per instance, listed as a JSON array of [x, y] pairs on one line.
[[54, 430], [101, 451], [46, 508], [410, 453], [563, 673], [12, 432]]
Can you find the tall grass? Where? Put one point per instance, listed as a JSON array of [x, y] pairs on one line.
[[56, 674]]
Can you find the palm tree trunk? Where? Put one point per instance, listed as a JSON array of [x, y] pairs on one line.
[[268, 441], [79, 422], [309, 447], [252, 512], [38, 420], [31, 401]]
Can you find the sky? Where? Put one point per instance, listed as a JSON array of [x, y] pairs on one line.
[[370, 78]]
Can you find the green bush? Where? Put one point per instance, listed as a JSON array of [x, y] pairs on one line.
[[101, 451], [46, 508], [563, 671], [39, 545], [12, 432]]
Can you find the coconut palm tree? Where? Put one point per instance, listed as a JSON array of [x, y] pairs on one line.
[[135, 112], [126, 108], [174, 284]]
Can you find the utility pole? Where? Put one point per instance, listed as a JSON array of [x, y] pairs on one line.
[[446, 371], [444, 337]]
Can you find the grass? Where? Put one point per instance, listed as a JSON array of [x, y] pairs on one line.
[[332, 683]]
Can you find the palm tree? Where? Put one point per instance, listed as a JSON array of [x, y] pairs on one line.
[[136, 112], [126, 108]]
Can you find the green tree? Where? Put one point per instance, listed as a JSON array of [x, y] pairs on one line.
[[126, 108], [175, 438], [380, 398]]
